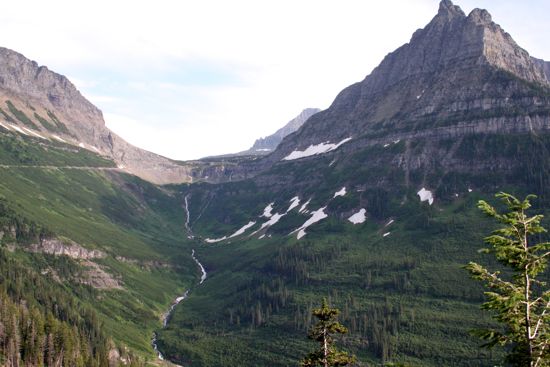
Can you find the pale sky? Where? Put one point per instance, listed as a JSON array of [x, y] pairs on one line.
[[188, 79]]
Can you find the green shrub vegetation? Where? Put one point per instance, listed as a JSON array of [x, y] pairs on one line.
[[7, 117], [20, 115], [137, 225]]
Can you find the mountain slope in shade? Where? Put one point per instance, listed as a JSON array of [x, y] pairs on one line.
[[48, 104]]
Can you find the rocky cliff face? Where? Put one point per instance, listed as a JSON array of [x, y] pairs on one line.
[[460, 108], [71, 249], [56, 110], [459, 73]]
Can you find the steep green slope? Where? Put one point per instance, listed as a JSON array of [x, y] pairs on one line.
[[397, 277], [80, 202]]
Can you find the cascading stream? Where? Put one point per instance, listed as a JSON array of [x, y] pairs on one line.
[[168, 314]]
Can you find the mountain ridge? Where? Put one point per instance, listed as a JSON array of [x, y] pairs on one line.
[[28, 87], [451, 53], [270, 142]]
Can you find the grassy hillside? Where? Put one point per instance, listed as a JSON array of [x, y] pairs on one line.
[[137, 226], [397, 277], [404, 297]]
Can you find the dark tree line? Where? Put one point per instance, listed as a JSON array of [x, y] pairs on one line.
[[42, 322]]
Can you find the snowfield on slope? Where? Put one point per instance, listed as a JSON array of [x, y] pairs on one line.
[[267, 211], [303, 209], [242, 229], [58, 138], [358, 217], [34, 133], [426, 195], [274, 219], [294, 202], [316, 216], [17, 128], [214, 240], [342, 192], [314, 150]]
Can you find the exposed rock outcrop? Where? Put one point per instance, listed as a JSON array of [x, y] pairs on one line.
[[458, 69], [68, 248], [35, 89], [95, 276]]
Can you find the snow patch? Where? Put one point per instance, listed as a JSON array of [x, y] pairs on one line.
[[470, 190], [262, 236], [18, 129], [210, 240], [316, 216], [426, 195], [242, 229], [396, 141], [263, 150], [95, 148], [331, 163], [390, 222], [342, 192], [274, 219], [386, 234], [314, 150], [386, 145], [294, 202], [58, 138], [303, 208], [267, 211], [4, 126], [81, 145], [34, 133], [358, 217]]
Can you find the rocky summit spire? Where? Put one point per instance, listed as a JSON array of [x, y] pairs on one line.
[[454, 40], [449, 10]]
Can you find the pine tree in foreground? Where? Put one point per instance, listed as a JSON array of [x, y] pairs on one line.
[[327, 355], [521, 302]]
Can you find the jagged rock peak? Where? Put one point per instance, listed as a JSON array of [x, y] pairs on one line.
[[22, 76], [480, 16], [453, 40], [449, 10]]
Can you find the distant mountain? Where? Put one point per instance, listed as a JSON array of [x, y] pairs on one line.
[[38, 102], [269, 143], [264, 146]]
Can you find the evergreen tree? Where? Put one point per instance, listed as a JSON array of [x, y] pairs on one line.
[[327, 355], [520, 302]]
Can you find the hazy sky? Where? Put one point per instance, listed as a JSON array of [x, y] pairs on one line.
[[187, 79]]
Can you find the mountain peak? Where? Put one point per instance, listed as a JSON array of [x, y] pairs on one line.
[[480, 16], [448, 10], [453, 40], [455, 63]]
